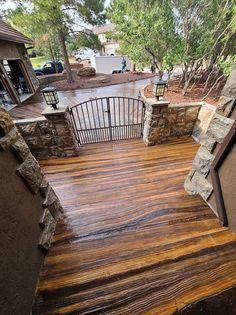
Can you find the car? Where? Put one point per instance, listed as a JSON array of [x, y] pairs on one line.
[[49, 67], [85, 53]]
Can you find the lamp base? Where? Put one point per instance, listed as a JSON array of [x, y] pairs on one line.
[[54, 106]]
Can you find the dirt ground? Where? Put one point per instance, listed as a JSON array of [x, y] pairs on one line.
[[174, 94], [100, 80]]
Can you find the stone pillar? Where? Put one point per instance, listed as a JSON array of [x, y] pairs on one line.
[[153, 122], [65, 141]]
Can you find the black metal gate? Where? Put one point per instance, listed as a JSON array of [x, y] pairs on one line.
[[107, 119]]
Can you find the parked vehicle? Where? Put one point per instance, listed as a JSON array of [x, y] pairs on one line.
[[110, 64], [50, 67], [86, 53]]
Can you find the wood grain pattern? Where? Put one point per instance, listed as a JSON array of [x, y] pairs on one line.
[[132, 241]]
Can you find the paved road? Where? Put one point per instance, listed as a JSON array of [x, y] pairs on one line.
[[34, 106], [130, 89]]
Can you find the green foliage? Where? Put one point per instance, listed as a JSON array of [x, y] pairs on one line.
[[41, 20], [38, 61], [88, 39], [50, 22], [147, 31], [192, 32], [227, 65]]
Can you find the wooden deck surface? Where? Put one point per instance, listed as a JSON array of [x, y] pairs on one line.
[[132, 241]]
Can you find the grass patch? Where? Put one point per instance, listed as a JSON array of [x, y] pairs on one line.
[[38, 61]]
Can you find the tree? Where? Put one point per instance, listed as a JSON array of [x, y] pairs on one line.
[[205, 27], [27, 22], [199, 34], [57, 17], [146, 29], [88, 39]]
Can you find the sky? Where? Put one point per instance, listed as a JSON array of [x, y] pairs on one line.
[[9, 4]]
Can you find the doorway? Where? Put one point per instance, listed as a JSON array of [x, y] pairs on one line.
[[15, 85]]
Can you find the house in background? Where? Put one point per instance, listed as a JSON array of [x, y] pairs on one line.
[[17, 79], [110, 46]]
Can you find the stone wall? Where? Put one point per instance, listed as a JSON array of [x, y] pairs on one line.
[[164, 122], [49, 136], [198, 180], [29, 212]]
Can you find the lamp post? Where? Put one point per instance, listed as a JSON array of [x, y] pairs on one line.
[[50, 96], [159, 87]]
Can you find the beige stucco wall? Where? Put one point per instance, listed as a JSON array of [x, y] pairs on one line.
[[199, 179], [28, 216], [10, 50]]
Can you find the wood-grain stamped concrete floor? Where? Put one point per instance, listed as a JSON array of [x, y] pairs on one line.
[[132, 241]]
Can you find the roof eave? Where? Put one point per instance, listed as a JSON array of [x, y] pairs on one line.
[[25, 41]]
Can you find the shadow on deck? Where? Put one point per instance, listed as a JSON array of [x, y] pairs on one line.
[[132, 241]]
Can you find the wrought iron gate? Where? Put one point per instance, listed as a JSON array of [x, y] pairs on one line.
[[107, 119]]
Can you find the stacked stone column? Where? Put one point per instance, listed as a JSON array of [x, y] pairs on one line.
[[50, 136], [165, 122]]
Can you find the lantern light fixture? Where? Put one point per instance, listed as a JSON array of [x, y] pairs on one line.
[[50, 96], [159, 88]]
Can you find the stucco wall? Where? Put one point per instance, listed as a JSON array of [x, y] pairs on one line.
[[227, 175], [199, 180], [28, 216], [10, 50]]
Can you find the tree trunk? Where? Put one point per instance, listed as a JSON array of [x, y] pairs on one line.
[[213, 77], [184, 76], [52, 55], [61, 37], [213, 86], [187, 82], [160, 74]]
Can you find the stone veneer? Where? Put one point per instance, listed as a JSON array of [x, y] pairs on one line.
[[164, 122], [49, 136], [32, 176], [198, 180]]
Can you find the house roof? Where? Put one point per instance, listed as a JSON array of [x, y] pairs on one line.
[[10, 34], [102, 29]]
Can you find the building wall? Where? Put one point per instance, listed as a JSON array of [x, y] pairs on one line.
[[28, 216], [111, 48], [28, 66], [227, 175], [10, 50], [199, 180]]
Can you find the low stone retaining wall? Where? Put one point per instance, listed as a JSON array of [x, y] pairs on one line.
[[164, 122], [50, 78], [49, 136]]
